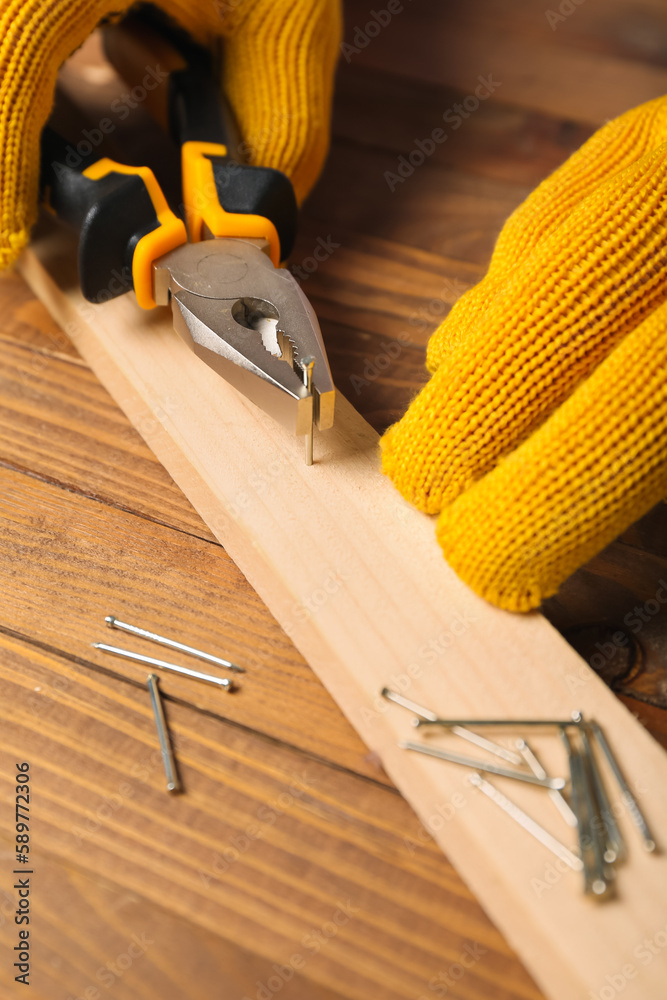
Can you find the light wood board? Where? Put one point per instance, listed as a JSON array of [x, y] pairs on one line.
[[355, 577]]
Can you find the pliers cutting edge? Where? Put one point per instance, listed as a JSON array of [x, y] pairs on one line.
[[235, 307]]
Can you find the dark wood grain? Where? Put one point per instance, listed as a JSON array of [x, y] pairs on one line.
[[90, 523], [268, 848], [125, 941], [542, 68]]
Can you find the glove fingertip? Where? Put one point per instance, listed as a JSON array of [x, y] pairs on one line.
[[502, 575]]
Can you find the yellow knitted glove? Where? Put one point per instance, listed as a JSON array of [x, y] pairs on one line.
[[279, 62], [542, 433]]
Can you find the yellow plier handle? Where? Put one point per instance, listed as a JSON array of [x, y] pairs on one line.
[[124, 220]]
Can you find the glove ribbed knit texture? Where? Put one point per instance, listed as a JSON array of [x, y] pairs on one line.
[[542, 432]]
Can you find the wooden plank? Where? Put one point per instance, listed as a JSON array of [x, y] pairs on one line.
[[269, 854], [43, 431], [398, 616]]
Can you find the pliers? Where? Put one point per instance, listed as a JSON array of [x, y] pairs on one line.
[[234, 306]]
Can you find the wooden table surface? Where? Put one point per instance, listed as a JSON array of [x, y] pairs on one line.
[[291, 865]]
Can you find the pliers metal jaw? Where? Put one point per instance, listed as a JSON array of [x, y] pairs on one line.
[[251, 323]]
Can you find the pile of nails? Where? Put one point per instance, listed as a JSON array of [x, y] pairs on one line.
[[582, 800], [166, 748]]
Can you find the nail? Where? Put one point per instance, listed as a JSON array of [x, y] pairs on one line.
[[614, 843], [307, 366], [166, 749], [556, 797], [629, 799], [221, 682], [465, 734], [113, 622], [512, 723], [595, 882], [527, 822], [478, 765], [412, 706], [601, 874]]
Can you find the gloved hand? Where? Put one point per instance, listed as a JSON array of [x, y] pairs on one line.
[[279, 62], [542, 433]]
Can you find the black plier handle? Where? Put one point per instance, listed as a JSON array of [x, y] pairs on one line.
[[122, 215]]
